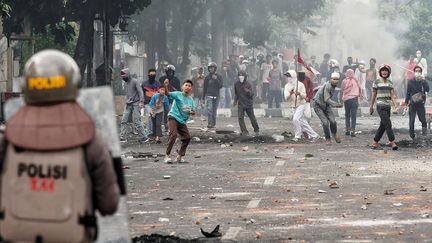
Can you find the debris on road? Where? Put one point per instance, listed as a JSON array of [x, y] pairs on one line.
[[213, 234], [364, 207], [166, 177], [167, 199], [389, 192], [309, 155], [322, 191], [278, 138], [334, 185], [246, 148], [423, 189], [397, 204]]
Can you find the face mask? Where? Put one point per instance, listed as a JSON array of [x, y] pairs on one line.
[[417, 74], [418, 55], [241, 78], [152, 77], [291, 80], [125, 79]]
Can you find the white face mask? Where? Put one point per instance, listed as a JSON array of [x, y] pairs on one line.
[[417, 74], [291, 80], [418, 55], [241, 78]]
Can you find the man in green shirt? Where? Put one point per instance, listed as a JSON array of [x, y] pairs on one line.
[[384, 94], [182, 107]]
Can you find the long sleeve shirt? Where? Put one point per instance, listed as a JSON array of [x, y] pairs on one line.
[[293, 99], [159, 105], [212, 86], [323, 97], [134, 92], [243, 94], [415, 86]]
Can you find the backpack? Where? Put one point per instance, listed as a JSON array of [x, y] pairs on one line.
[[46, 196]]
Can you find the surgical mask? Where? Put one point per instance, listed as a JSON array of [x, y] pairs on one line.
[[418, 55], [417, 74], [291, 80], [241, 78]]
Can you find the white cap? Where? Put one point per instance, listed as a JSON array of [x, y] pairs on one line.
[[335, 75]]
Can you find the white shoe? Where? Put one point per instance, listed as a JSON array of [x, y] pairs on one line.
[[168, 160], [295, 139]]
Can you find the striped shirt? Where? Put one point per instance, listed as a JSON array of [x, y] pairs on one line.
[[383, 90]]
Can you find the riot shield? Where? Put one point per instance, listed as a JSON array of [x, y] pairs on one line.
[[99, 104]]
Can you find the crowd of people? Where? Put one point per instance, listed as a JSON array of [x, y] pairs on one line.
[[270, 80]]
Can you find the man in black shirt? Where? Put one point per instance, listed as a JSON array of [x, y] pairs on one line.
[[212, 85], [243, 91], [416, 98]]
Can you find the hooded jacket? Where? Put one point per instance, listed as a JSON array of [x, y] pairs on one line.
[[243, 93], [134, 92], [351, 87], [295, 101]]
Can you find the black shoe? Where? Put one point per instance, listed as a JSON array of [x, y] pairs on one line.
[[353, 134], [347, 133]]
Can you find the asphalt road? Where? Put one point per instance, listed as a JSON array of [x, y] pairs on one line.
[[257, 189]]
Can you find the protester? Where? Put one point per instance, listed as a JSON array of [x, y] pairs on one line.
[[134, 101], [350, 65], [244, 95], [306, 78], [225, 94], [158, 104], [415, 99], [253, 74], [198, 87], [323, 103], [421, 62], [360, 75], [324, 67], [174, 85], [265, 70], [150, 87], [295, 94], [351, 92], [182, 108], [385, 97], [371, 76], [212, 84], [275, 84]]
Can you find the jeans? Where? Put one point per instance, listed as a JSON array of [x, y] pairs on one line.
[[265, 91], [157, 124], [176, 128], [300, 123], [275, 95], [212, 105], [149, 119], [225, 97], [251, 115], [385, 124], [132, 111], [418, 109], [351, 107], [327, 119]]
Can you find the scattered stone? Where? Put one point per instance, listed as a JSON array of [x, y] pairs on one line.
[[278, 138], [196, 139], [213, 197], [166, 177], [294, 200], [334, 185], [246, 148], [309, 155], [322, 191], [425, 215], [397, 204], [167, 199], [389, 192], [423, 189], [197, 222], [347, 174], [364, 207]]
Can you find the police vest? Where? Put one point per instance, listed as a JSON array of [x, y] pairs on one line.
[[45, 196]]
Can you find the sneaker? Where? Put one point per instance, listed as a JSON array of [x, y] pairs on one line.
[[295, 139], [353, 134], [168, 160], [328, 142], [347, 133], [180, 160], [144, 140]]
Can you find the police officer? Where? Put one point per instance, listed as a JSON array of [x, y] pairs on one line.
[[54, 167]]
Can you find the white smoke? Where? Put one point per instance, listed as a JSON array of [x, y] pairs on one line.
[[356, 29]]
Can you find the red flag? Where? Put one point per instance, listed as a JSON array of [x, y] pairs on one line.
[[300, 60]]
